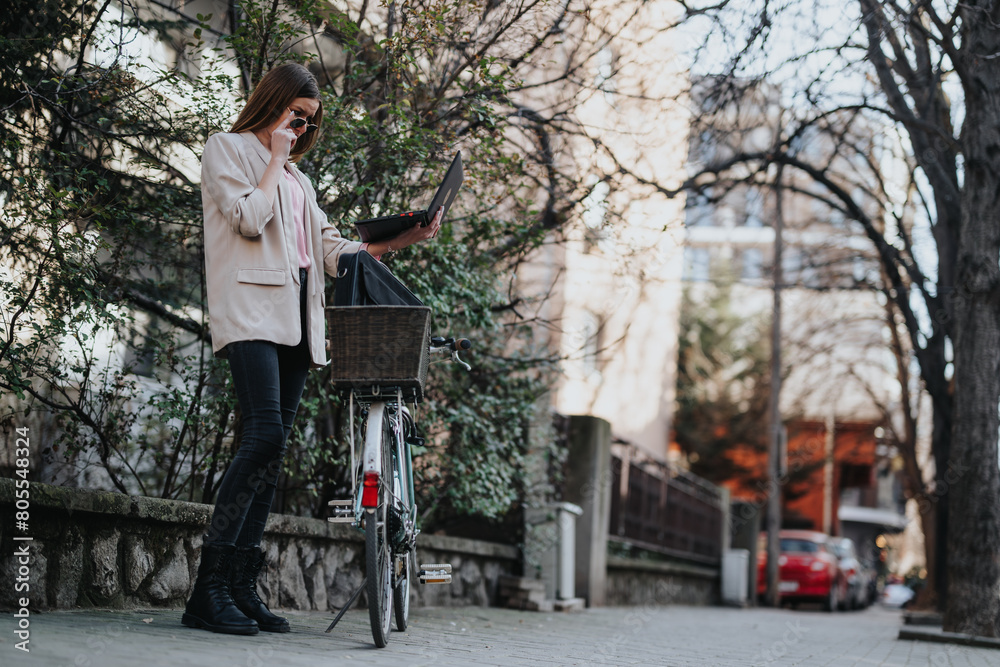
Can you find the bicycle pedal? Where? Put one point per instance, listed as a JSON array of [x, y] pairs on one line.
[[435, 573], [343, 511]]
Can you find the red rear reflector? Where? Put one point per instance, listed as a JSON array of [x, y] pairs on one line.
[[369, 490]]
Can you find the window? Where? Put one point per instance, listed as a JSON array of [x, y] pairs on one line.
[[754, 209], [590, 342], [595, 212], [789, 545], [852, 475], [595, 206], [753, 264], [699, 209], [140, 356], [696, 264], [704, 149], [605, 71]]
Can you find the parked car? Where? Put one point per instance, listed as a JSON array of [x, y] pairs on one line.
[[808, 570], [896, 595], [853, 572], [871, 579]]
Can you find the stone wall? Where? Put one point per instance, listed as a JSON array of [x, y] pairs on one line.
[[634, 582], [97, 548]]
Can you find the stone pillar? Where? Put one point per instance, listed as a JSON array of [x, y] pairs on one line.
[[541, 533], [588, 485]]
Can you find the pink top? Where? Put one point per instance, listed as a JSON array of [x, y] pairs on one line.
[[298, 209]]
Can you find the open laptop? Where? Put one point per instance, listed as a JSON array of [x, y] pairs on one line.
[[389, 226]]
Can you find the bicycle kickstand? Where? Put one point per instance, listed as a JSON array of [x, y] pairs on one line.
[[347, 606]]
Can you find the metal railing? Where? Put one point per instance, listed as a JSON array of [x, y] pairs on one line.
[[660, 508]]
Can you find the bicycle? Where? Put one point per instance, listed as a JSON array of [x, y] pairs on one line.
[[383, 504]]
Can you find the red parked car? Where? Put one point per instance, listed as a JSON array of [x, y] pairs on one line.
[[808, 570]]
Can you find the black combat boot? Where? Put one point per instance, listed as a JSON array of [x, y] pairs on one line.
[[246, 568], [211, 605]]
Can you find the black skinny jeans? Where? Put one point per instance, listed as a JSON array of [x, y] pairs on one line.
[[268, 379]]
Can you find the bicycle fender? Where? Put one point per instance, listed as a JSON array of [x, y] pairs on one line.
[[372, 458]]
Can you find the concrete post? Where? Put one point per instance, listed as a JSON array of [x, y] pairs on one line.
[[588, 485], [566, 517], [541, 547], [727, 519], [744, 526], [550, 548]]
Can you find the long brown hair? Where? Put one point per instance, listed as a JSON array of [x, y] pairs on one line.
[[279, 87]]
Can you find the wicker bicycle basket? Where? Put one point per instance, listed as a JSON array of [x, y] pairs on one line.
[[376, 349]]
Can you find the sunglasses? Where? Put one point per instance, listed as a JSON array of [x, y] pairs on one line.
[[302, 122], [296, 123]]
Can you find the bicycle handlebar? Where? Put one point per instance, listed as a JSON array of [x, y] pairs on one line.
[[453, 345]]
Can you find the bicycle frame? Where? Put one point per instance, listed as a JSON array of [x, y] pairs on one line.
[[383, 505]]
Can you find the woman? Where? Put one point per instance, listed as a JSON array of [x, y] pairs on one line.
[[266, 245]]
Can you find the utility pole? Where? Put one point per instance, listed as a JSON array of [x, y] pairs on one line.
[[774, 443]]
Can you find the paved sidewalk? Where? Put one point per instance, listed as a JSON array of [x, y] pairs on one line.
[[672, 636]]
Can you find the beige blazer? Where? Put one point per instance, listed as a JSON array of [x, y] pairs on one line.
[[251, 262]]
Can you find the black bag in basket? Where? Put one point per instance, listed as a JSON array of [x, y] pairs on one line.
[[362, 280]]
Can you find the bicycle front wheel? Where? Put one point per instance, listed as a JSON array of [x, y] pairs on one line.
[[404, 555], [378, 559]]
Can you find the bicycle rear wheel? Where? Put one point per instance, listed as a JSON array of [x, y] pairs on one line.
[[378, 558], [404, 553]]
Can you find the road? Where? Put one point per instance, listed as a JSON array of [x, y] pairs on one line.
[[672, 636]]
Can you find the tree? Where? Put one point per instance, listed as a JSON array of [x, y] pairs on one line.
[[973, 602], [916, 70], [722, 387]]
